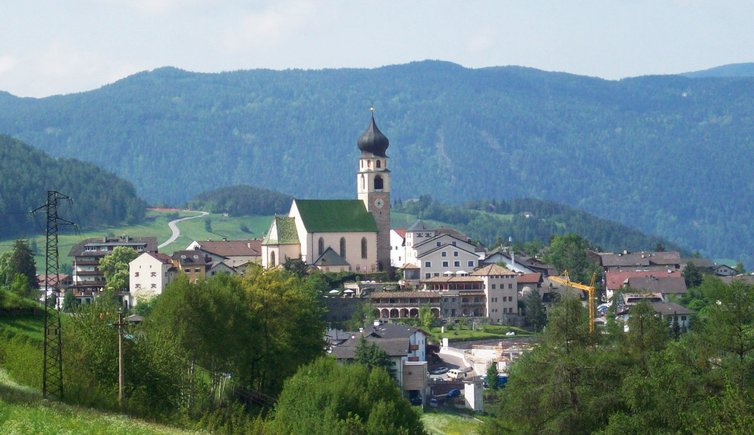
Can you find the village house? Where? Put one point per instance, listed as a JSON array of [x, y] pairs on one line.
[[404, 345], [87, 280], [625, 260], [668, 282], [149, 273], [236, 254]]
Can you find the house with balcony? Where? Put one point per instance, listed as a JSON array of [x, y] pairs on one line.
[[87, 281]]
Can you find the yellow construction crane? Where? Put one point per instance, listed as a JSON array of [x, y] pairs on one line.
[[565, 280]]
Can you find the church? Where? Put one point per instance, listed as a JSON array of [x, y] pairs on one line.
[[342, 234]]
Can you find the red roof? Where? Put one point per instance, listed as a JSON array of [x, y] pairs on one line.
[[530, 278], [232, 248], [616, 280], [401, 232]]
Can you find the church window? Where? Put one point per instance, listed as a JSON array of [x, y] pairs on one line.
[[272, 259], [363, 183], [363, 247], [379, 164], [378, 183], [320, 246], [343, 247]]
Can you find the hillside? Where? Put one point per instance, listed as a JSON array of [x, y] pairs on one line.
[[668, 155], [97, 197], [242, 201], [526, 220]]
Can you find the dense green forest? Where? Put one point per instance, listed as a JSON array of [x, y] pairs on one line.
[[531, 220], [97, 196], [242, 201], [668, 155], [653, 378]]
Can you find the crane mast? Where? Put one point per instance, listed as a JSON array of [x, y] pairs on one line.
[[566, 281]]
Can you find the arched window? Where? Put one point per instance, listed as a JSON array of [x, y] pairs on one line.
[[363, 183], [272, 259], [379, 164], [378, 183], [343, 247], [320, 246], [363, 247]]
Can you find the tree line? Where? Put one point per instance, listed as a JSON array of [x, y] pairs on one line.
[[650, 379], [97, 197]]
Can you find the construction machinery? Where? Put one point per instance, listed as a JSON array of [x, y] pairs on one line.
[[566, 281]]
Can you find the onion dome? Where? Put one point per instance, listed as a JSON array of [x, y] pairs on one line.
[[373, 141]]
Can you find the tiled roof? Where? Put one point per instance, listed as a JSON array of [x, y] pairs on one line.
[[282, 232], [335, 215], [400, 231], [492, 269], [674, 284], [149, 244], [330, 258], [163, 258], [610, 259], [530, 278], [669, 309], [233, 248], [616, 279]]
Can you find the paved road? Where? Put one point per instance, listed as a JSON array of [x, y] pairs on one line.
[[176, 231]]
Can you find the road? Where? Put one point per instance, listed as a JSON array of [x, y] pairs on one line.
[[176, 231]]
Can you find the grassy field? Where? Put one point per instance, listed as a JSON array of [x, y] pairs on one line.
[[23, 411], [444, 423], [156, 225], [480, 332], [30, 326]]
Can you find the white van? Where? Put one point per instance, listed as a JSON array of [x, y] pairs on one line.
[[458, 374]]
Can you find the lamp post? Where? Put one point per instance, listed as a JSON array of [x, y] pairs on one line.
[[120, 325]]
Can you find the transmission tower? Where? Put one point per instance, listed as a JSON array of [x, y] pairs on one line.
[[52, 371]]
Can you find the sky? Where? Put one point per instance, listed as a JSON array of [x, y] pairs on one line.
[[50, 47]]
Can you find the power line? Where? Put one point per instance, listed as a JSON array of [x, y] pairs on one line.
[[52, 370]]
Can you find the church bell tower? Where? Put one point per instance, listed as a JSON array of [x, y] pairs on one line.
[[373, 186]]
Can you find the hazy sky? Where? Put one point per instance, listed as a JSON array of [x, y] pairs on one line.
[[61, 46]]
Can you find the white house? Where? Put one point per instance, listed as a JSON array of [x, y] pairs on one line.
[[149, 273], [397, 247]]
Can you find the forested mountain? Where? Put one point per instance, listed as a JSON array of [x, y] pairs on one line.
[[242, 201], [530, 220], [669, 155], [730, 70], [97, 197]]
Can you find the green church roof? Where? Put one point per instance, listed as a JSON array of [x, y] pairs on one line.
[[335, 215], [286, 233]]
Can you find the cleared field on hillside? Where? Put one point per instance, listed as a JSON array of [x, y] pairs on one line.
[[155, 225]]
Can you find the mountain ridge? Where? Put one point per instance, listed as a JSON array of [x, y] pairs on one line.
[[664, 154]]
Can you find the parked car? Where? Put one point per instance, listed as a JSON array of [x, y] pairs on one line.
[[455, 392], [459, 374], [438, 370], [416, 401]]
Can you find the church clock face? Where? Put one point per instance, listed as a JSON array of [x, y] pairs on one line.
[[379, 202]]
